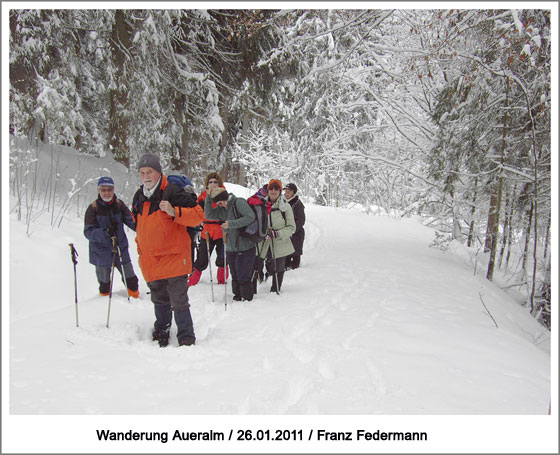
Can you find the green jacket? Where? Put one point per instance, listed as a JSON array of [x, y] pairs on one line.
[[282, 246], [234, 241]]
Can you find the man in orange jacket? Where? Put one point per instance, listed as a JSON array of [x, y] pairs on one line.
[[162, 212]]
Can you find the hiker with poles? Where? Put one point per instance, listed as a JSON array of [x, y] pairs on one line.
[[211, 236], [162, 210], [240, 251], [104, 222], [277, 245], [258, 199]]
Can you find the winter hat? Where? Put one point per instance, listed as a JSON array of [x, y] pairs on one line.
[[292, 187], [149, 160], [219, 194], [274, 183], [105, 181], [264, 189]]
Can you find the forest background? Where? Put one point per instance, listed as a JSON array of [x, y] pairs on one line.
[[444, 114]]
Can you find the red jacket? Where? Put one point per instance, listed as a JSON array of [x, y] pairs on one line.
[[164, 245], [210, 226]]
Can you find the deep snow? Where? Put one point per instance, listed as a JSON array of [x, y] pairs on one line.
[[374, 323]]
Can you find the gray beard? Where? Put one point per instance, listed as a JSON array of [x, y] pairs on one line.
[[148, 193]]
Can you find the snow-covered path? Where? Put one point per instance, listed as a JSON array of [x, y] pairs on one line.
[[374, 322]]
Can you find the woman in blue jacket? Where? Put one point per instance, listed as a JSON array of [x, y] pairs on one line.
[[105, 218]]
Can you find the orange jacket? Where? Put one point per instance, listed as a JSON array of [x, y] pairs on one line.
[[164, 245], [210, 226]]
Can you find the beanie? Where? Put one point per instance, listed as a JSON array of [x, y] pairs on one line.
[[149, 160], [219, 194], [292, 187], [105, 181], [275, 183]]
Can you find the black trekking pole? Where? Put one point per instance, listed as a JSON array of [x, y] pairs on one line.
[[74, 255], [225, 272], [275, 277], [210, 263], [114, 240], [256, 278], [122, 270]]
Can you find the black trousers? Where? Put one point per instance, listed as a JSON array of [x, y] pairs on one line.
[[170, 298], [202, 258], [241, 265]]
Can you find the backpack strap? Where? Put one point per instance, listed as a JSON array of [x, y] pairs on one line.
[[236, 215], [282, 212]]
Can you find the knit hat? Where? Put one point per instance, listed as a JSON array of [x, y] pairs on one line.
[[218, 194], [105, 181], [292, 187], [149, 160], [275, 182]]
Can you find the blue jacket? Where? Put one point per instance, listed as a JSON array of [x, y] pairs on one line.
[[99, 216]]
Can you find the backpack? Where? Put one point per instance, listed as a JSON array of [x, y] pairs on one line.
[[182, 181], [257, 230]]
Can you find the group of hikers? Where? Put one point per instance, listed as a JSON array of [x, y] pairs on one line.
[[176, 233]]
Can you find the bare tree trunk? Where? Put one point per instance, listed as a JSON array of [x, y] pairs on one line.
[[222, 154], [473, 211], [535, 246], [527, 238], [121, 42], [547, 238], [507, 227], [496, 198], [493, 224], [509, 238]]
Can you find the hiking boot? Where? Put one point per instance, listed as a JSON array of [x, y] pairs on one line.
[[187, 342], [277, 282], [134, 294], [161, 336], [237, 298], [104, 288], [247, 290]]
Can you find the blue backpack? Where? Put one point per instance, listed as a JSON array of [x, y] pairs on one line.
[[180, 180]]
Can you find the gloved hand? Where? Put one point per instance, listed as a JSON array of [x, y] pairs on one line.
[[272, 234], [112, 230]]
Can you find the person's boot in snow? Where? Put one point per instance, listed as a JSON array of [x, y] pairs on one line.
[[277, 282], [187, 342], [236, 289], [132, 287], [295, 262], [133, 294], [161, 336], [195, 277], [104, 288], [247, 290]]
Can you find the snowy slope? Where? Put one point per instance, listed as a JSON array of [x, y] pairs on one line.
[[374, 322]]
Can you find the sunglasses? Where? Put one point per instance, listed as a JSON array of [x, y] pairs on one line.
[[212, 181], [274, 188]]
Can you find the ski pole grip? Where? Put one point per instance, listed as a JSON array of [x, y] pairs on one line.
[[73, 253]]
